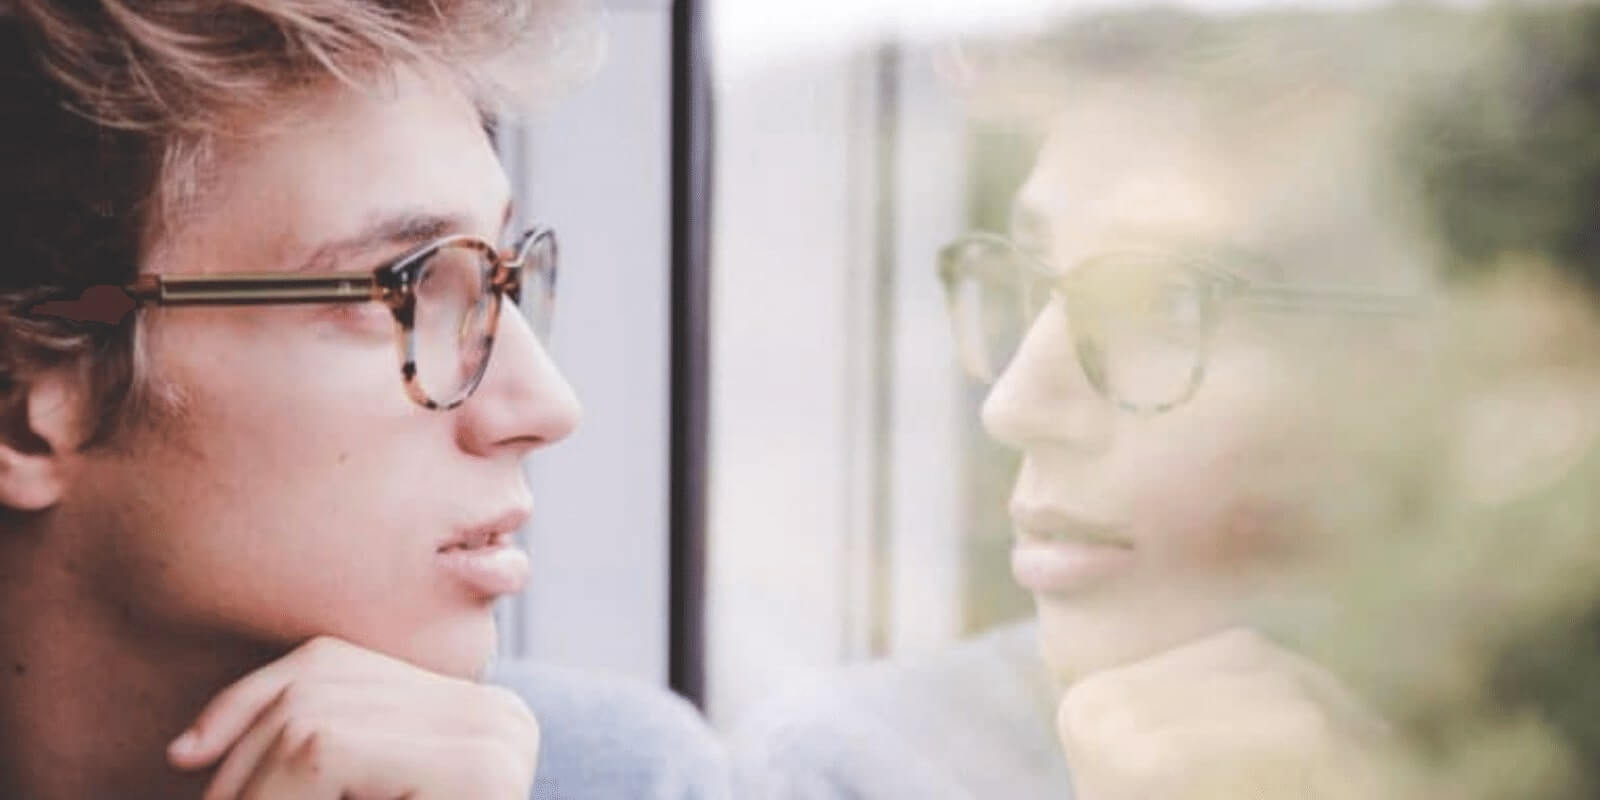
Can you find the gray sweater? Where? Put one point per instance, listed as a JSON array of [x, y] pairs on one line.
[[607, 739], [972, 723]]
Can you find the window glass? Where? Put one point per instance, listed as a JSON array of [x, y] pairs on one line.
[[1057, 342]]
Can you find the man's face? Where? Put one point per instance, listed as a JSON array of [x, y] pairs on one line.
[[1137, 533], [303, 493]]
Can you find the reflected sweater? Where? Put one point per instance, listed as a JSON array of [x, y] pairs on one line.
[[975, 722]]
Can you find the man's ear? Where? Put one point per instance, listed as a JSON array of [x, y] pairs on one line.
[[1526, 434], [40, 424]]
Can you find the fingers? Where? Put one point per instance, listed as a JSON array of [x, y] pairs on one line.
[[327, 763], [300, 763], [235, 709], [1250, 652], [1243, 651], [228, 716], [1232, 711], [251, 750], [334, 720]]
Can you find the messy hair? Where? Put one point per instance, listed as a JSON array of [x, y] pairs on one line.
[[1247, 87], [1510, 162], [109, 111]]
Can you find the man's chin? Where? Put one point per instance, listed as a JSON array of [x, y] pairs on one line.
[[462, 647], [471, 653], [1076, 643], [1071, 658]]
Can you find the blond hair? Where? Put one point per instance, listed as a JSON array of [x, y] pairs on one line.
[[108, 114]]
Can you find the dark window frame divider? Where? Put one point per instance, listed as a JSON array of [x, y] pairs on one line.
[[690, 312]]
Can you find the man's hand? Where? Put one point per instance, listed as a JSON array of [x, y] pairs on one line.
[[331, 720], [1231, 717]]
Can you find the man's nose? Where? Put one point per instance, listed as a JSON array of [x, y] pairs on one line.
[[523, 401], [1043, 398]]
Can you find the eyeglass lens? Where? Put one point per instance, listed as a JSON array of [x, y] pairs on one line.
[[1139, 325], [455, 312], [538, 296]]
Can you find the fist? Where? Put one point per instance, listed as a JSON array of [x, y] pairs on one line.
[[332, 721], [1231, 717]]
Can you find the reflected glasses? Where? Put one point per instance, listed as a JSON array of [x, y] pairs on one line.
[[445, 298], [1140, 321]]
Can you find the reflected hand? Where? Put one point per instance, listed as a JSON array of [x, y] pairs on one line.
[[1231, 717], [332, 720]]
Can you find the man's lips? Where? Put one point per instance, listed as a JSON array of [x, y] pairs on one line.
[[1060, 552], [1042, 523], [495, 531], [477, 540], [485, 559]]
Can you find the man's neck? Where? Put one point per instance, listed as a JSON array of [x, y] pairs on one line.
[[89, 698]]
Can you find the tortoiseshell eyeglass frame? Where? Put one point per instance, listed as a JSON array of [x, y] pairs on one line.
[[1218, 286], [393, 284]]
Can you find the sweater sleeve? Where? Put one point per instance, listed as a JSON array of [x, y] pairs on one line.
[[604, 739], [970, 723]]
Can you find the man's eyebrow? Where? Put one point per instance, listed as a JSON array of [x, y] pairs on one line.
[[392, 229], [402, 228]]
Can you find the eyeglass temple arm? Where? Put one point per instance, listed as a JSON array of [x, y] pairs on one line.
[[110, 304], [255, 288], [1344, 301]]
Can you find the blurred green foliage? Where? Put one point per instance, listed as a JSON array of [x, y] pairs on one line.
[[1510, 159], [1472, 623]]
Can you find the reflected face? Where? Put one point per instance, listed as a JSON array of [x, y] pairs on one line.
[[302, 492], [1139, 532]]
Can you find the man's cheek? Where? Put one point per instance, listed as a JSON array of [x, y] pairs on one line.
[[1220, 515]]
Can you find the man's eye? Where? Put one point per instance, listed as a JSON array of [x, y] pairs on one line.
[[365, 315], [1178, 306]]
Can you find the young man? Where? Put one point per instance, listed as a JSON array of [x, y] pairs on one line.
[[245, 549]]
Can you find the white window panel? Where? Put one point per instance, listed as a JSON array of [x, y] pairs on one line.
[[836, 505], [596, 167]]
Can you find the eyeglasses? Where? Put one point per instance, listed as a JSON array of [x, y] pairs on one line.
[[445, 297], [1141, 321]]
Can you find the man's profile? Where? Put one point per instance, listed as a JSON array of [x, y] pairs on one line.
[[249, 547]]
